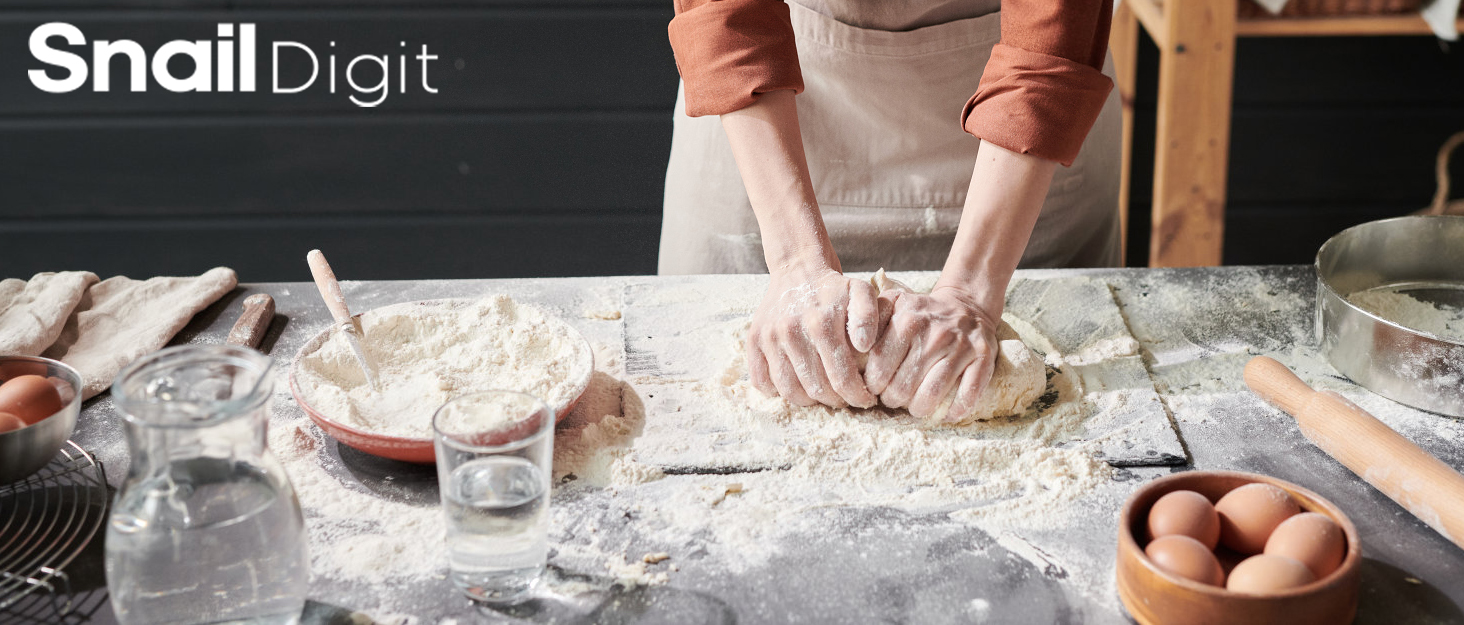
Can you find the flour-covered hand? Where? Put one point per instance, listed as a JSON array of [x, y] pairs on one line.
[[800, 345], [934, 343]]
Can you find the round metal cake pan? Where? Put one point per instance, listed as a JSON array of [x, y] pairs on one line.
[[1422, 256]]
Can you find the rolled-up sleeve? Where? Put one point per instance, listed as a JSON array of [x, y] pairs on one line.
[[729, 52], [1043, 87]]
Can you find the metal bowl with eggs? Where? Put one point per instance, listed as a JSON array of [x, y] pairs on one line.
[[1154, 595], [420, 450], [25, 450]]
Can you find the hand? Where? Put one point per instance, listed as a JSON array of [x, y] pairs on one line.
[[934, 343], [799, 345]]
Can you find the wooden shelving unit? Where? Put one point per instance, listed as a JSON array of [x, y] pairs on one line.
[[1196, 40]]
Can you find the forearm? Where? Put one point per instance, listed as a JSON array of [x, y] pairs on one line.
[[768, 147], [1002, 205]]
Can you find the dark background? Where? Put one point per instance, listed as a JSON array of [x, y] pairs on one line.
[[544, 152]]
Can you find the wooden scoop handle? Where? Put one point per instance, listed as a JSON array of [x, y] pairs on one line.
[[249, 330], [330, 290], [1423, 485]]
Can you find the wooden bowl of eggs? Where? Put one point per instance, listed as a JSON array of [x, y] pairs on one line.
[[1229, 547]]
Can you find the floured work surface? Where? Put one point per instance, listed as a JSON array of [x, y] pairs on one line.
[[1033, 541], [683, 352]]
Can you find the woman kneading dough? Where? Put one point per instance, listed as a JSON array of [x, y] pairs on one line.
[[868, 167]]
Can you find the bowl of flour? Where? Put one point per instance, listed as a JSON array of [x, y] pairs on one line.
[[426, 353]]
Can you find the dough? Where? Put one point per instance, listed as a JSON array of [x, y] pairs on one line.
[[1018, 379]]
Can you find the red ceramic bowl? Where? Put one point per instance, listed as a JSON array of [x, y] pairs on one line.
[[402, 448]]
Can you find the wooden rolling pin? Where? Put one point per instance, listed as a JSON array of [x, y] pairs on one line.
[[254, 322], [1423, 485]]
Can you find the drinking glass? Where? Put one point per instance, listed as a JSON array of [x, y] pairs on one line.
[[495, 451]]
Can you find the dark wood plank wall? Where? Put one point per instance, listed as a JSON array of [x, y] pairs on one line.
[[543, 153]]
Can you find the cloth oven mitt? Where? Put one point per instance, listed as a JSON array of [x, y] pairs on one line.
[[32, 313], [119, 320]]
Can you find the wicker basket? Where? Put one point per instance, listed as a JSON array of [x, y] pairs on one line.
[[1441, 204], [1248, 9]]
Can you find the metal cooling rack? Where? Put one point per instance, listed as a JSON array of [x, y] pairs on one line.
[[45, 521]]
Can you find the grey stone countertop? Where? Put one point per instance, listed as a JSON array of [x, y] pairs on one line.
[[1196, 329]]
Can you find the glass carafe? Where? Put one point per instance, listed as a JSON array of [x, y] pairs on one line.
[[206, 528]]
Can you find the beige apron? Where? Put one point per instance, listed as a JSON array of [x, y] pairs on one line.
[[889, 161]]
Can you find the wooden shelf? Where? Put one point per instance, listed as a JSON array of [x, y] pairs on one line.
[[1151, 14], [1196, 40], [1363, 25]]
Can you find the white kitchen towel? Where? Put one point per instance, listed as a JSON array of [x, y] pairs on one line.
[[33, 312], [1274, 6], [119, 320], [1443, 17]]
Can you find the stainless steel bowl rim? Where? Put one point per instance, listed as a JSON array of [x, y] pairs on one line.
[[1409, 366], [1323, 278], [75, 375], [27, 450]]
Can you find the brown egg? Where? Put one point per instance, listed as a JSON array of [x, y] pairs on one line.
[[10, 422], [1249, 513], [1187, 558], [1266, 574], [30, 397], [1311, 539], [1185, 513]]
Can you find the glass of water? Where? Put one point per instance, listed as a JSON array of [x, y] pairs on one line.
[[495, 451]]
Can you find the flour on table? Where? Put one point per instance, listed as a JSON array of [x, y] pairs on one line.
[[617, 518], [1030, 471], [364, 536], [356, 534], [632, 574], [428, 353], [1443, 321]]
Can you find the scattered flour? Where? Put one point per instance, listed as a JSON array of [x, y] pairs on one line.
[[1026, 480], [1021, 472], [603, 315], [356, 534], [623, 520], [365, 536], [1401, 308], [632, 574], [1200, 376], [1106, 349], [428, 353]]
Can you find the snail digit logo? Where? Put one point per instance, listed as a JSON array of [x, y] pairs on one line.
[[215, 62]]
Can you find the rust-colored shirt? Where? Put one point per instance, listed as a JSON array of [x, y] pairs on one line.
[[1039, 94]]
